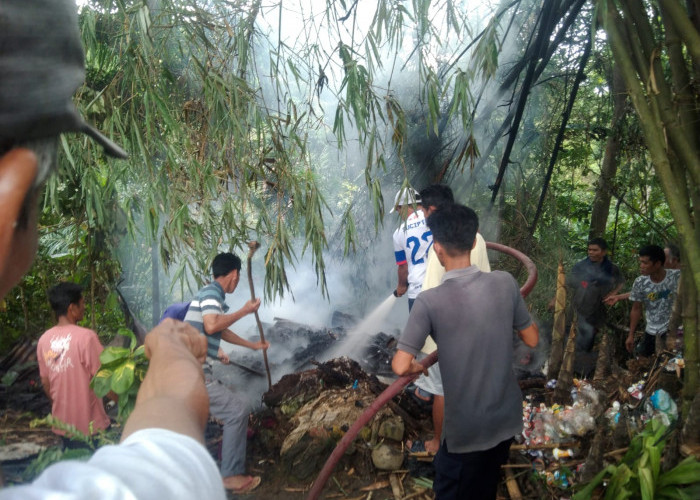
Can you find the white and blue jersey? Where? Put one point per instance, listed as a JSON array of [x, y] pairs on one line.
[[411, 244]]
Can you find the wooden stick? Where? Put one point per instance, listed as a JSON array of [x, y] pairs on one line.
[[544, 446], [512, 486], [396, 487], [253, 246], [615, 452]]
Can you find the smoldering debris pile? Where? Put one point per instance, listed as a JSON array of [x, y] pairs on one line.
[[308, 412], [297, 346]]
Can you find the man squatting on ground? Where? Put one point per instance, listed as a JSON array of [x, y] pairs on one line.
[[162, 453], [433, 198], [592, 281], [208, 314], [411, 243], [68, 357], [654, 292], [471, 317]]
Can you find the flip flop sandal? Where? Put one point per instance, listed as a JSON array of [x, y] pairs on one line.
[[247, 487]]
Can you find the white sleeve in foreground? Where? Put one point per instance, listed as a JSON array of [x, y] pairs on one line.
[[151, 463]]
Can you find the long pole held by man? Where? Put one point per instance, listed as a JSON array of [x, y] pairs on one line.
[[253, 246]]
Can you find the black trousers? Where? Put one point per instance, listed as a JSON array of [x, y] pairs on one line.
[[647, 344], [469, 476]]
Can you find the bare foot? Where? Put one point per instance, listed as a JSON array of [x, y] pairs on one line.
[[241, 484]]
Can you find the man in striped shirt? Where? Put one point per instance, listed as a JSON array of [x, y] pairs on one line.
[[208, 313]]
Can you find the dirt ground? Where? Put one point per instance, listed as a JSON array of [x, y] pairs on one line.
[[355, 476]]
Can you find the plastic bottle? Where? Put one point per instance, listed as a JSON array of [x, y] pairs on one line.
[[559, 453], [613, 413]]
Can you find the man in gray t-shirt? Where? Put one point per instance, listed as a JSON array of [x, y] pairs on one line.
[[471, 317]]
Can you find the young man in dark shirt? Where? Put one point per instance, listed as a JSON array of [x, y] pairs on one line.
[[592, 281]]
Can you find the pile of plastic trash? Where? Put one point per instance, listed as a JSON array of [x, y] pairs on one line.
[[557, 423]]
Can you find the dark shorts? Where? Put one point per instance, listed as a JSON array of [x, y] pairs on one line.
[[410, 304], [469, 476], [647, 344]]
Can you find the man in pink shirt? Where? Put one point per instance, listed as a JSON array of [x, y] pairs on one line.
[[69, 356]]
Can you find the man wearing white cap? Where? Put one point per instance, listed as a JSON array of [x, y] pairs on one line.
[[412, 241]]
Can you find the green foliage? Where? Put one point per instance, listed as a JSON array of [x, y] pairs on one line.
[[639, 474], [56, 454], [52, 455], [122, 371]]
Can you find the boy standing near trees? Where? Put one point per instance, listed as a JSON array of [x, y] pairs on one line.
[[68, 357], [654, 291]]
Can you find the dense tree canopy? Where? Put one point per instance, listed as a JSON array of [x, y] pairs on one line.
[[294, 123]]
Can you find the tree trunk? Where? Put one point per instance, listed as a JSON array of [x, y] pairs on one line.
[[608, 170], [562, 392], [605, 359]]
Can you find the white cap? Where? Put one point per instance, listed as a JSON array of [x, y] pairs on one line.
[[405, 196]]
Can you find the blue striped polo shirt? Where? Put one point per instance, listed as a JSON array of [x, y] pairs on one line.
[[209, 300]]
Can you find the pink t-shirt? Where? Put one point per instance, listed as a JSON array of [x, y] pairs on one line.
[[69, 356]]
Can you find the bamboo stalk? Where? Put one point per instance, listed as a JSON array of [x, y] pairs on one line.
[[559, 327]]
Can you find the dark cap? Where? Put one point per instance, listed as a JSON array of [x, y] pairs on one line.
[[41, 66]]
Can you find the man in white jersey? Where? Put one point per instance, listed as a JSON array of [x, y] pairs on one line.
[[412, 241]]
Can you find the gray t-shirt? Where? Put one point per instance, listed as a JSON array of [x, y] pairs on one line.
[[657, 299], [471, 317]]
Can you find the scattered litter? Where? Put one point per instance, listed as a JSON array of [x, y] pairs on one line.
[[559, 453], [636, 389], [613, 414], [661, 406]]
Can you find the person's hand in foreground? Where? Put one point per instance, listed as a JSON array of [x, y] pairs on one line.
[[172, 395]]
